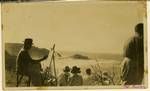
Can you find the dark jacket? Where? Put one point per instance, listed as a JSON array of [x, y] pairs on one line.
[[25, 62], [133, 69]]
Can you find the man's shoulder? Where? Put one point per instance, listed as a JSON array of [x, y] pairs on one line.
[[22, 52], [134, 38], [130, 41]]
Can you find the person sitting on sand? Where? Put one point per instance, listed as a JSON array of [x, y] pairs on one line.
[[89, 78], [64, 77], [76, 79]]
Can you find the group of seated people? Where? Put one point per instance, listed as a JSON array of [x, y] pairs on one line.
[[73, 77]]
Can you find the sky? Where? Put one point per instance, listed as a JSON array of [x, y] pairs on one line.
[[90, 26]]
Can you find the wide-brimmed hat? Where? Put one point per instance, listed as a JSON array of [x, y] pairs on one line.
[[28, 41], [75, 69], [66, 69]]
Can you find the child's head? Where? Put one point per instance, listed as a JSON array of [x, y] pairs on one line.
[[88, 71]]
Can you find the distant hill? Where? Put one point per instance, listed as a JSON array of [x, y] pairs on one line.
[[10, 62], [79, 56], [13, 48], [108, 56]]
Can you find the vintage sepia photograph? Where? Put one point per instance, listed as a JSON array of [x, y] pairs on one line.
[[74, 45]]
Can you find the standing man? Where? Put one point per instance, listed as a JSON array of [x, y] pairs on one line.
[[25, 62], [133, 63]]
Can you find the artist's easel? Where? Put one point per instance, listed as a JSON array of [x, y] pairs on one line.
[[54, 53]]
